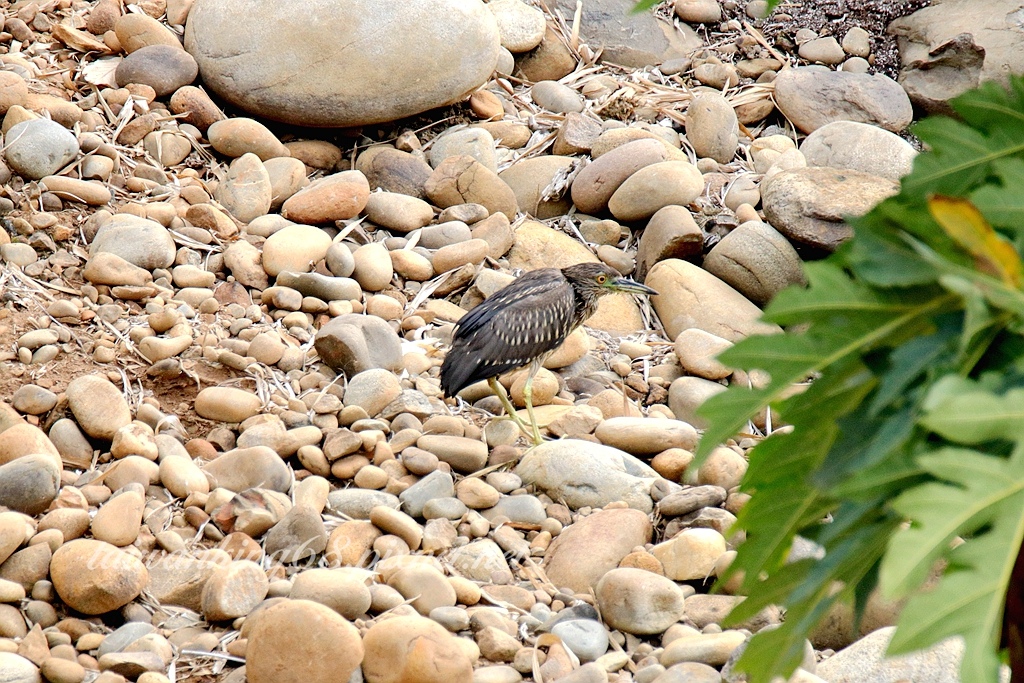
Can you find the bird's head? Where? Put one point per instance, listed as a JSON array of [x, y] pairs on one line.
[[599, 279]]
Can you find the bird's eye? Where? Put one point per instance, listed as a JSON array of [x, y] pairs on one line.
[[601, 279]]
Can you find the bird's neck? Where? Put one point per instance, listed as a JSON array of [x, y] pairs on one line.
[[585, 307]]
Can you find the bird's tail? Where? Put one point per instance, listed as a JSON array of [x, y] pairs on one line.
[[456, 373]]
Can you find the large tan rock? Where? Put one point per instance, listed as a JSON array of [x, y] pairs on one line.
[[334, 197], [585, 551], [595, 184], [344, 591], [951, 46], [331, 72], [812, 96], [351, 543], [652, 188], [860, 146], [631, 39], [234, 590], [711, 127], [810, 205], [246, 468], [136, 30], [99, 407], [528, 179], [140, 241], [639, 601], [692, 297], [538, 246], [25, 439], [756, 260], [646, 436], [301, 641], [691, 554], [246, 191], [106, 268], [118, 519], [94, 577], [413, 650], [394, 171], [179, 580], [227, 404], [353, 343], [671, 233], [462, 179], [30, 483], [294, 248]]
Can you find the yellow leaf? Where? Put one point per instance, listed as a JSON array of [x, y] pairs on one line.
[[992, 253]]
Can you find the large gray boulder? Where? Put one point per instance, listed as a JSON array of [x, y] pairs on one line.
[[812, 96], [861, 147], [810, 205], [953, 45], [139, 241], [339, 63], [629, 39]]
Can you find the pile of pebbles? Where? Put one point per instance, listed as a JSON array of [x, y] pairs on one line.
[[225, 453]]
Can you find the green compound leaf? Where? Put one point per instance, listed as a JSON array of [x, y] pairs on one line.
[[907, 437], [844, 319], [980, 498]]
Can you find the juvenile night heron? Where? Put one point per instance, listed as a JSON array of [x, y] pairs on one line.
[[522, 323]]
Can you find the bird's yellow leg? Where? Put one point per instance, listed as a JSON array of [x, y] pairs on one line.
[[510, 409], [528, 399]]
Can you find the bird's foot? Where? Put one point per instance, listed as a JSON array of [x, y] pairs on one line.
[[525, 428]]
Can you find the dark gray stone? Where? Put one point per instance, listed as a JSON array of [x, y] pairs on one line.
[[164, 68], [354, 343], [628, 39], [29, 484]]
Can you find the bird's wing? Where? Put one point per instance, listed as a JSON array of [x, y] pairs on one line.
[[532, 285], [508, 332]]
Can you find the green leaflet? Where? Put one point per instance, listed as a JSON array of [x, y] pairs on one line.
[[643, 5], [849, 328], [1001, 204], [845, 319], [810, 585], [973, 415], [984, 502], [909, 434]]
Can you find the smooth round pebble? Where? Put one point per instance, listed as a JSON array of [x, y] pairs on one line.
[[39, 147], [99, 407], [654, 187], [638, 601], [294, 248], [289, 642], [165, 68], [409, 648], [227, 404], [587, 638], [94, 577], [556, 97]]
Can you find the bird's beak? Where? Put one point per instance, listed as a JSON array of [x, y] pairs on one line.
[[624, 284]]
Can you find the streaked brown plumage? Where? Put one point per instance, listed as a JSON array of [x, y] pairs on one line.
[[523, 322]]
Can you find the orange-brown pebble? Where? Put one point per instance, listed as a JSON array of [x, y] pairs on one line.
[[486, 105], [643, 560], [201, 448], [672, 463], [241, 546]]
